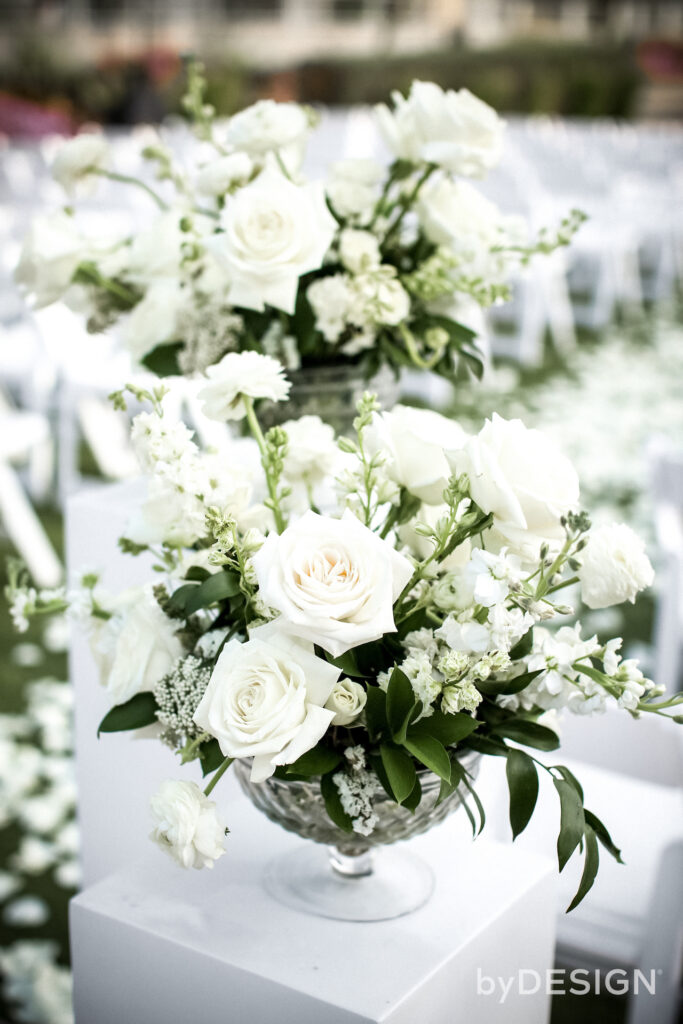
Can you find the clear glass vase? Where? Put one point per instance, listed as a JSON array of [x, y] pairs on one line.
[[348, 876], [330, 392]]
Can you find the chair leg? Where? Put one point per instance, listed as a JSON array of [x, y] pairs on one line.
[[26, 532]]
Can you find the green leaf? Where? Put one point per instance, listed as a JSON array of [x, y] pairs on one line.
[[400, 770], [490, 745], [347, 663], [572, 821], [570, 778], [590, 868], [375, 711], [447, 729], [318, 761], [211, 757], [336, 812], [219, 586], [523, 646], [412, 802], [603, 835], [523, 785], [460, 776], [494, 688], [163, 360], [431, 754], [136, 713], [400, 704], [197, 573], [180, 597], [529, 734]]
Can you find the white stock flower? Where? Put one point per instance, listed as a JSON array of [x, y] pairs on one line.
[[136, 646], [378, 297], [266, 699], [347, 700], [187, 825], [158, 439], [491, 576], [218, 176], [270, 127], [470, 637], [273, 232], [334, 581], [331, 299], [50, 255], [358, 250], [455, 130], [522, 477], [155, 318], [416, 441], [614, 566], [241, 374], [311, 450], [77, 158]]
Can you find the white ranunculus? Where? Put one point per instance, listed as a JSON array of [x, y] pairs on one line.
[[77, 158], [137, 646], [416, 441], [154, 320], [218, 176], [266, 699], [359, 250], [312, 449], [454, 130], [187, 825], [334, 581], [50, 255], [614, 566], [273, 232], [241, 373], [331, 299], [378, 297], [347, 700], [520, 476], [271, 127]]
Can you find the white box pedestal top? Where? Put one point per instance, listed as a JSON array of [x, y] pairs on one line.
[[155, 944]]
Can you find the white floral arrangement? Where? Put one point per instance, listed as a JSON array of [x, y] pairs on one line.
[[373, 266], [357, 611]]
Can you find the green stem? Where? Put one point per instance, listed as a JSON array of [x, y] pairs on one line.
[[413, 352], [128, 179], [407, 201], [257, 433], [218, 775]]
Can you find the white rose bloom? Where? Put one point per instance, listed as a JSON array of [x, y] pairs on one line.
[[312, 450], [266, 699], [354, 188], [521, 477], [273, 232], [237, 374], [76, 159], [331, 300], [218, 176], [614, 566], [271, 127], [358, 250], [334, 581], [187, 825], [137, 646], [347, 700], [455, 130], [155, 318], [50, 255], [416, 441]]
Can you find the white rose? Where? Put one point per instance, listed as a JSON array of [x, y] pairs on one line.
[[359, 250], [311, 451], [137, 646], [237, 374], [266, 698], [218, 176], [273, 232], [521, 477], [186, 824], [455, 130], [268, 126], [155, 318], [50, 255], [614, 566], [347, 700], [353, 188], [334, 581], [456, 214], [330, 299], [416, 441], [77, 158]]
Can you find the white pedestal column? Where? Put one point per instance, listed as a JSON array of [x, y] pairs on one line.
[[163, 946]]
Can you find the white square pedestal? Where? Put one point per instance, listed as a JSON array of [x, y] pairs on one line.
[[157, 945]]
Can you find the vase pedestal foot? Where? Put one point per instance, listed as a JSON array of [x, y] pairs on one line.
[[385, 883]]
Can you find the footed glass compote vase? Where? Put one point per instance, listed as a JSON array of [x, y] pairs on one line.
[[349, 876]]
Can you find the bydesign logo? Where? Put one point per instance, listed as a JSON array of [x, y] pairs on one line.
[[560, 981]]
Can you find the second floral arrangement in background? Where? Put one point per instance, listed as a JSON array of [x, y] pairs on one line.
[[366, 614]]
